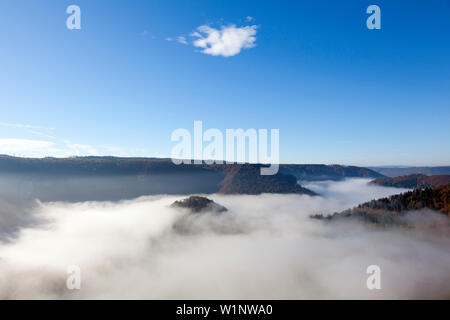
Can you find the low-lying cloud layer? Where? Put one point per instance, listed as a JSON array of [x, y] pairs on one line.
[[263, 247]]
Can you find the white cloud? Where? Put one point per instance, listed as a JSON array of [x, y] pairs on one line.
[[8, 146], [36, 130], [227, 42], [23, 126], [182, 40], [249, 18], [169, 39], [42, 148], [51, 147]]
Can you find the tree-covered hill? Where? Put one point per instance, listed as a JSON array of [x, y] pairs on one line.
[[390, 210], [413, 181]]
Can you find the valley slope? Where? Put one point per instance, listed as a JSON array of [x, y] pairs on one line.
[[413, 181], [113, 178]]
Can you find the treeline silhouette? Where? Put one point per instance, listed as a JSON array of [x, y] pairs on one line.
[[387, 211]]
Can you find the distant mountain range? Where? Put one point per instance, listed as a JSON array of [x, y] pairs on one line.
[[112, 178], [126, 166], [413, 181], [317, 172], [402, 171]]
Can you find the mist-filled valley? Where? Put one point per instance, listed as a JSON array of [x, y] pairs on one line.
[[264, 247], [224, 158]]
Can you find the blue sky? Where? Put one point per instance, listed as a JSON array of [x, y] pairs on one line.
[[338, 92]]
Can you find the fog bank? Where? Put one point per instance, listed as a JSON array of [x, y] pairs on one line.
[[263, 247]]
